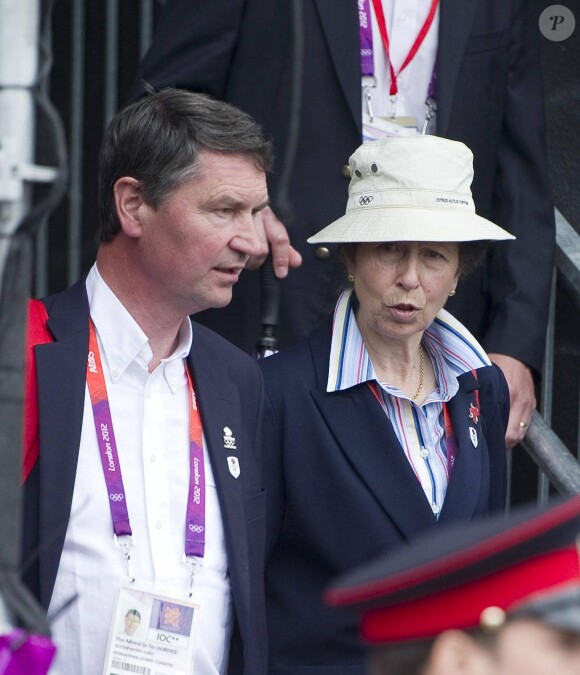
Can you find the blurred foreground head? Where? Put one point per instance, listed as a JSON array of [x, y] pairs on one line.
[[498, 597]]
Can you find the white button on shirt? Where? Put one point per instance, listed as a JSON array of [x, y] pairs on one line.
[[150, 414]]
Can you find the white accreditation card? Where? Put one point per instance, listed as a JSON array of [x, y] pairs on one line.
[[152, 635], [383, 127]]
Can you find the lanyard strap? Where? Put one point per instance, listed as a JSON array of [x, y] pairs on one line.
[[364, 14], [450, 440], [195, 514]]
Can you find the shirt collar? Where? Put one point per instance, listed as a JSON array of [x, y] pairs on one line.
[[452, 348], [121, 339]]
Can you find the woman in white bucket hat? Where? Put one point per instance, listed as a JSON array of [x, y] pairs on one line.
[[388, 420]]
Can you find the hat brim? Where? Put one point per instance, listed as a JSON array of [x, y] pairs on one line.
[[408, 224]]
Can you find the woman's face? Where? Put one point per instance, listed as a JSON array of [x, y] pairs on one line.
[[402, 285]]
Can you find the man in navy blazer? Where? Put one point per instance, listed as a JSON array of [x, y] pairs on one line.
[[182, 178], [489, 96]]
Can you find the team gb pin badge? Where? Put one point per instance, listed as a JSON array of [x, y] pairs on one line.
[[230, 444], [229, 439], [473, 435], [234, 466]]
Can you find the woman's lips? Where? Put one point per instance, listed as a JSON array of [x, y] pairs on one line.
[[403, 311]]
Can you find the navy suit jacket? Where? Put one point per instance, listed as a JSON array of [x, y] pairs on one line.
[[230, 389], [489, 96], [341, 491]]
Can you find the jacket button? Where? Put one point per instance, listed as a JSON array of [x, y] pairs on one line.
[[322, 253], [345, 170]]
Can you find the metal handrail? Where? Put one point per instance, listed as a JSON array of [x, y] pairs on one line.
[[553, 458]]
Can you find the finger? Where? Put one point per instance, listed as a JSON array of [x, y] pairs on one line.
[[519, 421]]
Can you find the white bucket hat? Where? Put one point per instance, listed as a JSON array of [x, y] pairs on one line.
[[414, 188]]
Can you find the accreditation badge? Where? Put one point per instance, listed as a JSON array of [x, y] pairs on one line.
[[384, 127], [152, 635]]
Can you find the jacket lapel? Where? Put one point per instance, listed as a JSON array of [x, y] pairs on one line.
[[376, 455], [465, 483], [371, 445], [61, 368], [456, 19], [340, 25], [220, 408]]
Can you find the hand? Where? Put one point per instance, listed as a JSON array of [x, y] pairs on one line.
[[272, 232], [522, 397]]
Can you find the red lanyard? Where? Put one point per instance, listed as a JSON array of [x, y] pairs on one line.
[[377, 4], [450, 437]]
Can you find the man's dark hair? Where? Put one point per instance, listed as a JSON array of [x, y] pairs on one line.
[[158, 140]]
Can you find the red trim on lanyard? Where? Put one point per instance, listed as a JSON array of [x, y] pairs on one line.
[[450, 437], [195, 516], [377, 4]]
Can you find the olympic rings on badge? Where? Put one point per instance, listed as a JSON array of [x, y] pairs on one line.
[[116, 497], [196, 528]]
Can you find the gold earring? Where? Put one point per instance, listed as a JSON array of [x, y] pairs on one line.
[[350, 278], [451, 292]]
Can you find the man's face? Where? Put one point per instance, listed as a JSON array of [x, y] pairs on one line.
[[132, 622], [195, 244]]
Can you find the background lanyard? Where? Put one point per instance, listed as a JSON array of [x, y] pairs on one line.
[[195, 514], [366, 40]]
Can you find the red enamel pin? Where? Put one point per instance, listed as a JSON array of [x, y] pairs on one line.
[[473, 413]]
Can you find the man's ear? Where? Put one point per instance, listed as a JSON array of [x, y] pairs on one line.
[[456, 653], [129, 204]]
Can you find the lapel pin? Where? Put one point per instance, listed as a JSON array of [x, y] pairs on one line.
[[229, 439], [473, 413], [234, 466], [473, 434]]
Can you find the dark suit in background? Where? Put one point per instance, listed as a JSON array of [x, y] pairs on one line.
[[489, 96]]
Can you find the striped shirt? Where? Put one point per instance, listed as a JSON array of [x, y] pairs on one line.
[[420, 429]]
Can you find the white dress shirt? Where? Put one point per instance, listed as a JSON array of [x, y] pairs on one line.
[[150, 413], [404, 19]]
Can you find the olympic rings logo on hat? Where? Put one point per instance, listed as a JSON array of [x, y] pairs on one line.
[[196, 528], [365, 200], [116, 497]]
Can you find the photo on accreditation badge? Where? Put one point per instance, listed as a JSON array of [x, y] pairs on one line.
[[151, 635]]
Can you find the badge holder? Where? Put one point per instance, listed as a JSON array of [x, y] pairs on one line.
[[194, 563], [125, 543], [430, 114], [152, 634]]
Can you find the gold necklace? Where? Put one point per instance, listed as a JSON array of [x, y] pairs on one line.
[[421, 372]]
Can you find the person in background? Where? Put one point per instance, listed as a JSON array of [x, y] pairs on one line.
[[389, 420], [149, 470], [500, 597], [472, 65]]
